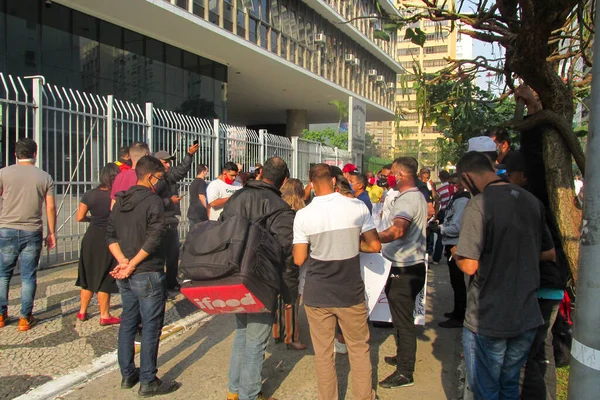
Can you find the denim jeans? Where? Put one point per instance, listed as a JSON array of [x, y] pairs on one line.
[[494, 364], [26, 247], [248, 354], [539, 381], [144, 297]]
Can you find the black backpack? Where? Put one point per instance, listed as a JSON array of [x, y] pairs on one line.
[[215, 251]]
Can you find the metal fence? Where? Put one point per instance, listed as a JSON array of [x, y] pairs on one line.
[[79, 133]]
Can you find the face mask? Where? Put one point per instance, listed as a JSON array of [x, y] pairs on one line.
[[382, 182], [471, 185], [228, 180], [351, 187], [391, 181], [372, 181]]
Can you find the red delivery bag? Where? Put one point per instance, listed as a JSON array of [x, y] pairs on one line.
[[232, 266]]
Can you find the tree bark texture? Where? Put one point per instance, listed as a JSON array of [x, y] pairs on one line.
[[527, 57]]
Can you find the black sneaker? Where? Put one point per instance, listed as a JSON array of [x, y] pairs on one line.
[[131, 380], [451, 323], [158, 388], [396, 380], [449, 314], [393, 361]]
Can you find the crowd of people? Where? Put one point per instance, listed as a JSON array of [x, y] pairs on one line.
[[491, 220]]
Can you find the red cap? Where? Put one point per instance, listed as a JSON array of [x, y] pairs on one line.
[[349, 168]]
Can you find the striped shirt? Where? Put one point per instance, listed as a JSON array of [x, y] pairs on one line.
[[332, 225], [446, 191]]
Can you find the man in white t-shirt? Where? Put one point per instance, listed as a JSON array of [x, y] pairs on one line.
[[329, 233], [220, 190]]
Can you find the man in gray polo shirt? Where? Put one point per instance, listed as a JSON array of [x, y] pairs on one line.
[[405, 246], [24, 189]]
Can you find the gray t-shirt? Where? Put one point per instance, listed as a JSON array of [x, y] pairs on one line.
[[24, 189], [411, 249], [505, 229]]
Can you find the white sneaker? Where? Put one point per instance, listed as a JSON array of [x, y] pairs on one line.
[[339, 348]]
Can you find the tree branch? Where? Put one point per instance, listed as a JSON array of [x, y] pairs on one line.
[[547, 117]]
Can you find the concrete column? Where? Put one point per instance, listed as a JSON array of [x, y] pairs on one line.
[[296, 122]]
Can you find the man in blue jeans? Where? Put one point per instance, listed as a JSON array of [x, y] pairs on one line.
[[24, 189], [134, 236], [258, 200], [502, 240]]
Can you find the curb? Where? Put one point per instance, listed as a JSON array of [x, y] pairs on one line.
[[104, 363]]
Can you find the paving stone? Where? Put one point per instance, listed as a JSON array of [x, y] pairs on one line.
[[59, 343]]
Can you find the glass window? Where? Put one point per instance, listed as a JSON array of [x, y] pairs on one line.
[[263, 36], [56, 38], [213, 14], [241, 22], [198, 8], [23, 45], [228, 15], [264, 10], [253, 27], [275, 16]]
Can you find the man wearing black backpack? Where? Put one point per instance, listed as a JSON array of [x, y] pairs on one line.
[[258, 199]]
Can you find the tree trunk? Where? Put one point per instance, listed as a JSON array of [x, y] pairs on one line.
[[559, 178]]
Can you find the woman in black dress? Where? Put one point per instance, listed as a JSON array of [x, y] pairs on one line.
[[95, 260]]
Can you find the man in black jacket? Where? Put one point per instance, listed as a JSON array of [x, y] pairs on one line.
[[134, 237], [256, 200], [168, 190]]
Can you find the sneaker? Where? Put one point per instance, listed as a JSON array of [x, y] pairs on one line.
[[233, 396], [435, 262], [158, 388], [26, 323], [451, 323], [449, 314], [339, 348], [393, 361], [3, 319], [131, 380], [396, 380]]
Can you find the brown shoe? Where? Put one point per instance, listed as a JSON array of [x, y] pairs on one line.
[[3, 319], [26, 323]]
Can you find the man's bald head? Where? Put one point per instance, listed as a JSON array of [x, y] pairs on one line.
[[275, 171]]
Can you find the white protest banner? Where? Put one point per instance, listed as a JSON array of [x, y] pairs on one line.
[[381, 311], [375, 271]]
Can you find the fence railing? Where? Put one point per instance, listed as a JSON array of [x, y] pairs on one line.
[[78, 133]]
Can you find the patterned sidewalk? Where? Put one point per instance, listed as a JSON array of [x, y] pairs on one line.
[[59, 343]]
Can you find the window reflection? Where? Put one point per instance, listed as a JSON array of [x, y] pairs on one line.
[[84, 53]]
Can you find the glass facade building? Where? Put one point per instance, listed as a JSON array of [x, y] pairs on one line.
[[81, 52]]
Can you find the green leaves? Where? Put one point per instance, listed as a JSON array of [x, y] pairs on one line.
[[328, 137], [416, 36], [392, 27], [381, 35]]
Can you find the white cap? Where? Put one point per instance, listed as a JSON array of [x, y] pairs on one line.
[[481, 144]]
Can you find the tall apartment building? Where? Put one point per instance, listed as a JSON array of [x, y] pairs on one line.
[[409, 136]]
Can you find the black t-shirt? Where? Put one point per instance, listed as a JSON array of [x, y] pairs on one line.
[[505, 229], [98, 203], [197, 211]]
